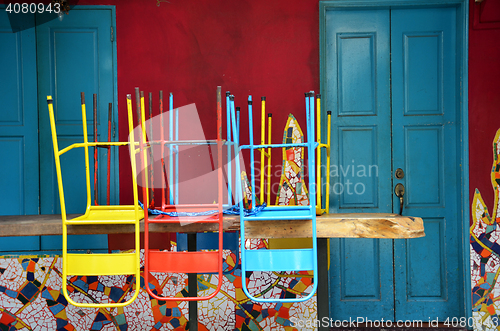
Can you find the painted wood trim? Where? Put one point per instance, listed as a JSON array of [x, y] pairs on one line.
[[463, 50], [115, 126]]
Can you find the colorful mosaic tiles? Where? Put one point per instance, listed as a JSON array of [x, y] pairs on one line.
[[485, 253], [247, 192], [31, 299], [292, 189]]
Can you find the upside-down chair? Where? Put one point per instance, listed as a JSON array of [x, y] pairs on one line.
[[75, 264], [163, 261], [279, 260]]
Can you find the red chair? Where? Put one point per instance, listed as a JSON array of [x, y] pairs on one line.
[[181, 262]]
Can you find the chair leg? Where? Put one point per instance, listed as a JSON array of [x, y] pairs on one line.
[[193, 287]]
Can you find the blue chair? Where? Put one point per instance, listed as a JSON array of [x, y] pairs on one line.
[[277, 260]]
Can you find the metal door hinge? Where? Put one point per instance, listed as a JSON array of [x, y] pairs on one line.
[[114, 130], [112, 35]]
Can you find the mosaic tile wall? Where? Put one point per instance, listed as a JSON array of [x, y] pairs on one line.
[[485, 252], [292, 189], [31, 299]]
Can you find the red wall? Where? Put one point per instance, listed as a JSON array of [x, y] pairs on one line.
[[484, 94], [270, 48], [258, 47]]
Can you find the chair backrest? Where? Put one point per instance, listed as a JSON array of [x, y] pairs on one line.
[[280, 259], [178, 262], [95, 264]]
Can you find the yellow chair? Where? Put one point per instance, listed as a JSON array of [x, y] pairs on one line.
[[97, 264]]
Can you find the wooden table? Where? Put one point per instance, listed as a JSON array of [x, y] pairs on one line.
[[388, 226]]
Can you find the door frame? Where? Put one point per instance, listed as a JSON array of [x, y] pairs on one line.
[[462, 100]]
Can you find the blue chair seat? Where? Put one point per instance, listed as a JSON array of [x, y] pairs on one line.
[[276, 213], [279, 259]]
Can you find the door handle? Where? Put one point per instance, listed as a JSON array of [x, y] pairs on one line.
[[399, 190]]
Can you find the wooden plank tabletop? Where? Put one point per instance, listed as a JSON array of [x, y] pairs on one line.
[[41, 225], [374, 225], [328, 226]]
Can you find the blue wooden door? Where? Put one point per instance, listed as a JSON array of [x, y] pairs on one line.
[[425, 117], [358, 93], [18, 118], [18, 124], [391, 84], [74, 55]]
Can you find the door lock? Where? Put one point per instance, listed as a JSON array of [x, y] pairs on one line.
[[399, 173], [399, 190]]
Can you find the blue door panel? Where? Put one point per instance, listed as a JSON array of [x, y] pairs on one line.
[[18, 126], [357, 284], [357, 73], [11, 244], [391, 86], [359, 127], [423, 72], [362, 272], [423, 160], [76, 242], [18, 117], [358, 171], [428, 281], [74, 55], [12, 170], [358, 94]]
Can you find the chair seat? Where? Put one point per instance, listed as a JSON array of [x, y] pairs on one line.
[[185, 219], [101, 264], [279, 259], [106, 215]]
